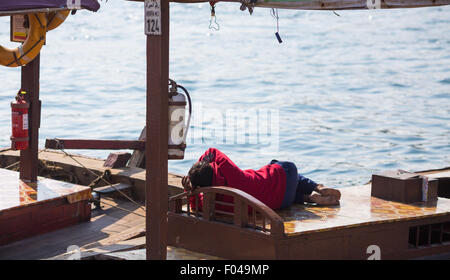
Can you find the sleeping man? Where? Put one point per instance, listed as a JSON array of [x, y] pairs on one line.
[[277, 185]]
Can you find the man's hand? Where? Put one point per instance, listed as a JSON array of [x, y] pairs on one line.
[[186, 182], [325, 191], [208, 158]]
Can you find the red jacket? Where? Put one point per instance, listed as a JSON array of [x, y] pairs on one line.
[[267, 184]]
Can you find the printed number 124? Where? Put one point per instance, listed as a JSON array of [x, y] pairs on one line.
[[153, 25]]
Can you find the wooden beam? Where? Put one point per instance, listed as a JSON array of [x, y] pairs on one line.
[[30, 84], [138, 157], [156, 156], [94, 144], [331, 4]]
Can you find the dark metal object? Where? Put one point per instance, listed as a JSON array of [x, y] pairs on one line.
[[157, 138], [96, 200], [94, 144], [30, 84], [110, 189]]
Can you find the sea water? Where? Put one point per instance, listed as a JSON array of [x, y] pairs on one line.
[[345, 94]]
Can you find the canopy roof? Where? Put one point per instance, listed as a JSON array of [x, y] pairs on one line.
[[347, 4], [329, 4], [23, 6]]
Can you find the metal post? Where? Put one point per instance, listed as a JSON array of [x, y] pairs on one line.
[[156, 153], [30, 84]]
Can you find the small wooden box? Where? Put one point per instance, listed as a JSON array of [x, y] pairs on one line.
[[402, 186]]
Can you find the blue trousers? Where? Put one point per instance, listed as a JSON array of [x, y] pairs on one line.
[[296, 185]]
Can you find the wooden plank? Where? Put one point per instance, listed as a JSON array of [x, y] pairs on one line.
[[94, 144], [132, 176], [59, 157], [130, 233], [117, 160], [104, 224], [156, 155], [127, 245], [173, 253], [30, 84], [138, 157], [208, 206], [127, 255]]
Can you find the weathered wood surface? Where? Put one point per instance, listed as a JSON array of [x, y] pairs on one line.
[[138, 157], [173, 253], [106, 224], [132, 249], [94, 144], [130, 233], [93, 253], [117, 160], [30, 84], [133, 176]]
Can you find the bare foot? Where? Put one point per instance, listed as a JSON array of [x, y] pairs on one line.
[[323, 200], [329, 192]]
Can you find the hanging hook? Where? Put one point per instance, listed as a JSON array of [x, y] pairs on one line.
[[213, 21], [274, 13]]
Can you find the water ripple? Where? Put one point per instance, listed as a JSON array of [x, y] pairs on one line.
[[350, 95]]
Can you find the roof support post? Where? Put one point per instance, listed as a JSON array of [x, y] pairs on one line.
[[30, 84], [156, 154]]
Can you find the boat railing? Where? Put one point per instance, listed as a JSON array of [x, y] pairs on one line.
[[245, 211]]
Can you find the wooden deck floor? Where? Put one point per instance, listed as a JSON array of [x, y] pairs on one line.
[[104, 223], [357, 207], [15, 193], [109, 225]]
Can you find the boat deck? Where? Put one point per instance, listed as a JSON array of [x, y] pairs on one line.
[[346, 231], [28, 209], [123, 221], [357, 208], [116, 221], [107, 229], [16, 193]]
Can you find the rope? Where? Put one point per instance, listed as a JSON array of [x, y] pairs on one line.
[[60, 147], [15, 163], [274, 13], [11, 165], [101, 177]]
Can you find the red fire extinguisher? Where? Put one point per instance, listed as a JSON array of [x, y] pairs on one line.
[[19, 110]]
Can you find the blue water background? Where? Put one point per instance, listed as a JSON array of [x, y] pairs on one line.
[[351, 95]]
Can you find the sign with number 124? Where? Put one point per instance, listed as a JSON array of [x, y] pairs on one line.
[[152, 17]]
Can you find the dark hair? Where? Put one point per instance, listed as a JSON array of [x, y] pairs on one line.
[[201, 174]]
